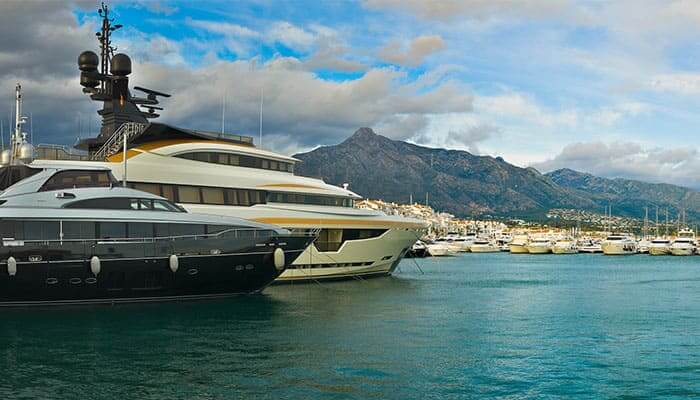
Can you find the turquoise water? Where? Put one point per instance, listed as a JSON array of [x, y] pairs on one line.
[[474, 326]]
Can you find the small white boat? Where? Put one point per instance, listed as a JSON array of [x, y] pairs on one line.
[[684, 244], [643, 246], [617, 245], [540, 245], [660, 247], [590, 246], [484, 246], [565, 246]]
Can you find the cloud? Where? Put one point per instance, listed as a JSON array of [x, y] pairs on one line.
[[631, 160], [470, 138], [419, 48], [222, 28], [291, 35], [331, 56], [681, 83], [481, 9]]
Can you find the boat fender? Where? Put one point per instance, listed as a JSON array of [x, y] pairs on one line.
[[11, 266], [278, 257], [95, 265], [174, 263]]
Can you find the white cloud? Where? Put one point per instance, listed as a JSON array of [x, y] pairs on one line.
[[631, 160], [681, 83], [415, 53], [291, 35]]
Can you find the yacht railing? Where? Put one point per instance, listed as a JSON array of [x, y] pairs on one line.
[[127, 131], [237, 234]]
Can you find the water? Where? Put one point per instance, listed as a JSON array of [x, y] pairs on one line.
[[474, 326]]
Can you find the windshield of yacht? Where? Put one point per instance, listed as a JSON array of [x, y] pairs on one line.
[[14, 173], [72, 179], [126, 203]]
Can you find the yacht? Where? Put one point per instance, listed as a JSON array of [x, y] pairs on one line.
[[589, 246], [565, 246], [519, 244], [660, 247], [619, 244], [70, 235], [439, 249], [503, 242], [452, 244], [484, 245], [226, 175], [643, 246], [418, 250], [539, 245], [684, 244]]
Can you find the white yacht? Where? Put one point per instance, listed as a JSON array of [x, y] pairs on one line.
[[565, 246], [684, 244], [519, 244], [660, 247], [439, 249], [226, 175], [589, 246], [484, 245], [619, 244], [539, 245]]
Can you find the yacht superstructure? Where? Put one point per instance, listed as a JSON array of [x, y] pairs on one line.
[[227, 175], [519, 244], [539, 245], [660, 247]]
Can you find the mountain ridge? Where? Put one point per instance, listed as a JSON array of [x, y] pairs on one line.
[[472, 185]]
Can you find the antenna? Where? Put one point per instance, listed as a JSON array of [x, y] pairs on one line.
[[2, 135], [223, 113], [261, 113], [31, 127]]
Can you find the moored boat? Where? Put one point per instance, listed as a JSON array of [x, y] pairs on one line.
[[660, 247], [684, 244], [539, 245], [518, 244], [484, 245], [565, 246], [619, 244]]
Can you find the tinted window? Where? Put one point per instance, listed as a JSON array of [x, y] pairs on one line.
[[78, 179], [73, 230], [298, 198], [212, 195], [241, 160], [112, 230], [188, 194], [186, 229], [140, 230], [11, 229]]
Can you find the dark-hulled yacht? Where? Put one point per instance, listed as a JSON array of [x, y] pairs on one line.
[[72, 235]]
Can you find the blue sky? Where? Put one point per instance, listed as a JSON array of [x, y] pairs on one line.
[[605, 87]]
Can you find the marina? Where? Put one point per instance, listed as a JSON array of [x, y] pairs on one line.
[[195, 204]]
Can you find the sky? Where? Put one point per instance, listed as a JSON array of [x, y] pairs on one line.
[[609, 88]]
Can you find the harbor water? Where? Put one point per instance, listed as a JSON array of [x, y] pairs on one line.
[[472, 326]]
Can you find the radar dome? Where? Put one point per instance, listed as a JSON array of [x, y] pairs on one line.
[[121, 65], [87, 61], [5, 158], [26, 153]]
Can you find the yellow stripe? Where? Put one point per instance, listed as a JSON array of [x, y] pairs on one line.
[[147, 147], [343, 222]]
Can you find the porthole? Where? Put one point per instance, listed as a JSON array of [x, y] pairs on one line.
[[249, 266], [239, 268], [51, 281], [75, 281], [192, 271], [91, 281]]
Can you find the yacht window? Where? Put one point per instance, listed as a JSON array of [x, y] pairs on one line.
[[11, 229], [12, 174], [243, 198], [40, 230], [78, 179], [299, 198], [168, 191], [186, 229], [147, 187], [212, 195], [240, 160], [162, 205], [189, 194], [145, 204], [212, 229], [140, 230], [111, 230], [74, 230], [162, 230]]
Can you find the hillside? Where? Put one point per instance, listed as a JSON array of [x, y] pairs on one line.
[[456, 181]]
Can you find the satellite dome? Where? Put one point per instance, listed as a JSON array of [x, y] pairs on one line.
[[26, 153], [87, 61], [121, 65], [5, 158]]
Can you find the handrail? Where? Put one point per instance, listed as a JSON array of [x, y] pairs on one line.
[[126, 131], [257, 232]]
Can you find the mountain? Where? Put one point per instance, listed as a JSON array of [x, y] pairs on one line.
[[629, 197], [456, 181]]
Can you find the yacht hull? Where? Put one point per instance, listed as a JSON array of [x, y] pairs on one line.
[[64, 276], [484, 249], [682, 251], [518, 248], [564, 250], [659, 251], [539, 249], [618, 249], [356, 258]]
